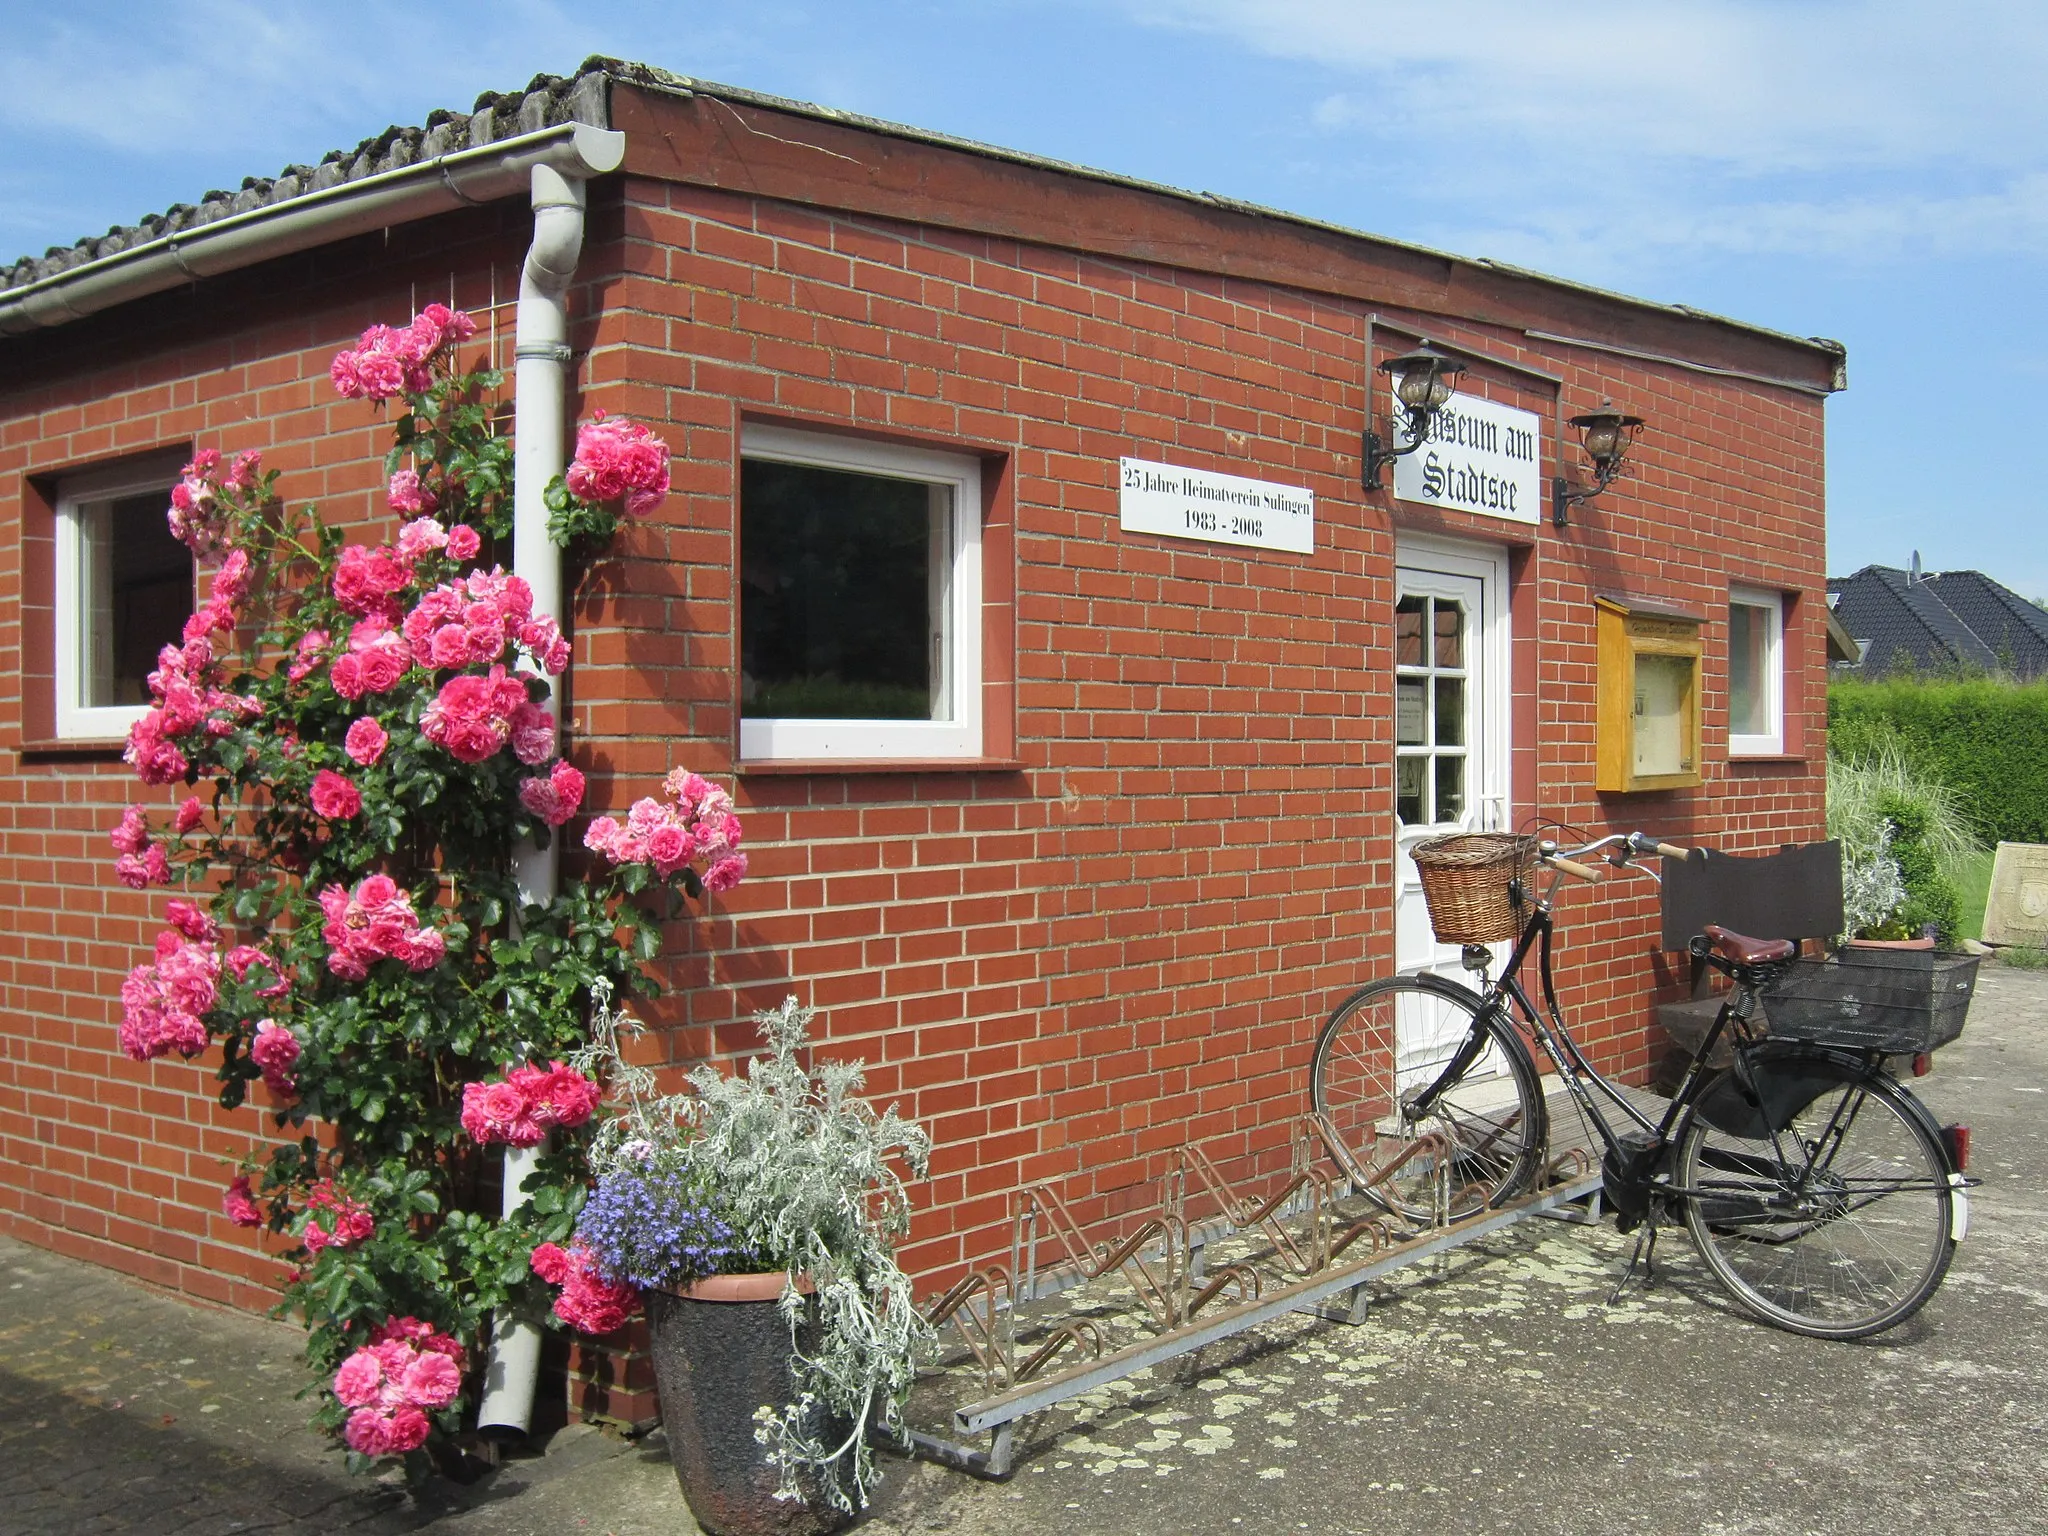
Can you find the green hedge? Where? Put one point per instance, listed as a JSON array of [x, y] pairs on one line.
[[1986, 740]]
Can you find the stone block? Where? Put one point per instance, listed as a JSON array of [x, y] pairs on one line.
[[2017, 912]]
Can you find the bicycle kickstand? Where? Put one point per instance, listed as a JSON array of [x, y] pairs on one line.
[[1644, 1257]]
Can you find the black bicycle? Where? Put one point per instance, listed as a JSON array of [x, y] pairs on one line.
[[1817, 1188]]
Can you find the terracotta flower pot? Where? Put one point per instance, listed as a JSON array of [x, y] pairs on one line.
[[721, 1351], [1888, 944]]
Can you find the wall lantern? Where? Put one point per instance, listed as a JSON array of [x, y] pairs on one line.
[[1608, 436], [1422, 383]]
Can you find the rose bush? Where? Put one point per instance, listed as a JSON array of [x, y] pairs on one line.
[[357, 740]]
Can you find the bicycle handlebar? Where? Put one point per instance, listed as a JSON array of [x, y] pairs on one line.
[[1572, 867]]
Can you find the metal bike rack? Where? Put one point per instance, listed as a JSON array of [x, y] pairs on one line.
[[1310, 1265]]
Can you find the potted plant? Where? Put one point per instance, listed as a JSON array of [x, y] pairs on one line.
[[755, 1216]]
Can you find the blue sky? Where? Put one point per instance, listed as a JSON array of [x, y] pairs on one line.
[[1871, 170]]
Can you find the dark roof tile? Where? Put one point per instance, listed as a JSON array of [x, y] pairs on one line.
[[547, 101]]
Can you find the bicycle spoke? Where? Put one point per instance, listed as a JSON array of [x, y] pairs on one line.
[[1836, 1225]]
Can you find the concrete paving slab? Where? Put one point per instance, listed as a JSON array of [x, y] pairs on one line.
[[1500, 1393]]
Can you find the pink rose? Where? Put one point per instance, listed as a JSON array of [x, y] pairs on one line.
[[463, 542], [193, 922], [346, 676], [619, 460], [131, 834], [407, 495], [190, 814], [239, 1204], [725, 873], [306, 657], [365, 742], [275, 1051], [555, 798], [357, 1383], [432, 1381], [668, 848], [533, 733], [368, 1432], [335, 796], [365, 581], [408, 1430]]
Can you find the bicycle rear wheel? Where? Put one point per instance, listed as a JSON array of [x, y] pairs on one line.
[[1382, 1053], [1839, 1225]]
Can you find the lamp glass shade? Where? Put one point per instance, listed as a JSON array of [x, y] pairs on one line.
[[1423, 379], [1603, 438]]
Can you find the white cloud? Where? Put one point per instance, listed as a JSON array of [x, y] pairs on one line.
[[1596, 137], [1756, 85]]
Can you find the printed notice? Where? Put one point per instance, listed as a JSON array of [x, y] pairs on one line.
[[1479, 457], [1223, 509]]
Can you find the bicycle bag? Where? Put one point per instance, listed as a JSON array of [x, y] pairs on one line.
[[1626, 1171], [1764, 1090]]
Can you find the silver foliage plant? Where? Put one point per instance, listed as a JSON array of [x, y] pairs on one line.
[[804, 1172]]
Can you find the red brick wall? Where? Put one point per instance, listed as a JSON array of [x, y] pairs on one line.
[[1125, 934]]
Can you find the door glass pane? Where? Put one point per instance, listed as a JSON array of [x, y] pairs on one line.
[[1450, 788], [1408, 615], [1409, 782], [1450, 634], [1411, 703], [1450, 711]]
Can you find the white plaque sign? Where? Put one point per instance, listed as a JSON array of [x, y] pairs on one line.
[[1480, 457], [1223, 509]]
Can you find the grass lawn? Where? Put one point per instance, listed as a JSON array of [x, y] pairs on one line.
[[1976, 891]]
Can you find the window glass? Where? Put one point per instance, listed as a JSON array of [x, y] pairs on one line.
[[1749, 705], [124, 588], [860, 599], [840, 618], [138, 593], [1756, 673]]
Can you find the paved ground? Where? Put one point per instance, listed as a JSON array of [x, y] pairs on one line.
[[1500, 1395]]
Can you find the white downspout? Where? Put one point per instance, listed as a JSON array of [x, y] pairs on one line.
[[539, 425]]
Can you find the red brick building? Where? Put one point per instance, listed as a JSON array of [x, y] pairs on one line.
[[1090, 894]]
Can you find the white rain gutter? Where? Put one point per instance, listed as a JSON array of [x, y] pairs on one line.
[[539, 453], [459, 179]]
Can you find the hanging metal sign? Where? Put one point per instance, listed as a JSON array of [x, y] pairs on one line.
[[1222, 509], [1480, 457]]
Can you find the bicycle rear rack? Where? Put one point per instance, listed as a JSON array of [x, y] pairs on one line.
[[1307, 1262]]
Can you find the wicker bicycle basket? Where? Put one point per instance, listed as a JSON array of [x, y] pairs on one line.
[[1468, 880]]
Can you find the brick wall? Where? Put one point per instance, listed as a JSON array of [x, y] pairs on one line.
[[1122, 935]]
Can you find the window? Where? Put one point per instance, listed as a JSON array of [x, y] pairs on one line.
[[860, 599], [1756, 673], [123, 591]]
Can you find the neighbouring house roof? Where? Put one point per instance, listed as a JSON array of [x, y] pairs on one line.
[[1939, 623], [550, 100], [2014, 629]]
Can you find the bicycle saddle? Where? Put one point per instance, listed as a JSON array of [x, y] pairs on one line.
[[1740, 949]]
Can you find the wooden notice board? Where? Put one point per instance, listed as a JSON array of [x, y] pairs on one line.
[[1647, 682]]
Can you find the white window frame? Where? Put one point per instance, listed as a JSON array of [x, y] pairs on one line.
[[1770, 743], [76, 720], [959, 658]]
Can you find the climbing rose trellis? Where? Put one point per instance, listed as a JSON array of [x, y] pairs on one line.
[[355, 741]]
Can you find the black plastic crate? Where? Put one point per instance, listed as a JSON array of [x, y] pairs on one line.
[[1900, 1001]]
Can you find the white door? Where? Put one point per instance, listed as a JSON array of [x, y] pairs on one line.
[[1451, 735]]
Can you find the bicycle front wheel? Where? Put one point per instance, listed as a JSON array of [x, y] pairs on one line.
[[1839, 1225], [1407, 1057]]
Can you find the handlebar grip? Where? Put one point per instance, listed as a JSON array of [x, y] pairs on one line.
[[1574, 868], [1673, 851]]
